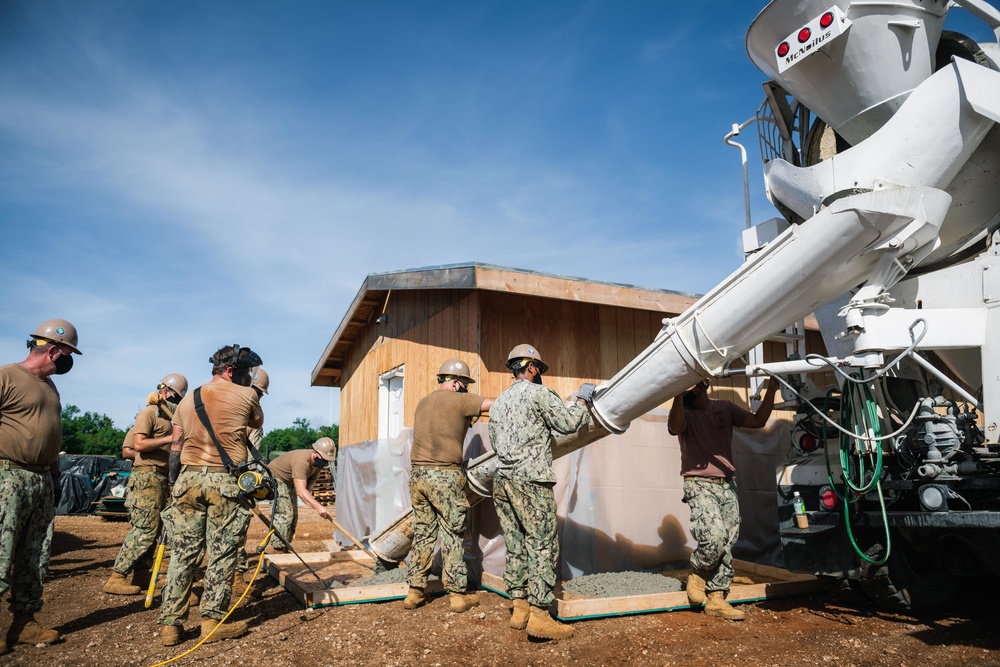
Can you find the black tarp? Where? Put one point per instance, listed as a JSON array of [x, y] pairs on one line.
[[86, 479]]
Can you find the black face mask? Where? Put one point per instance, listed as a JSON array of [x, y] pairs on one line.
[[462, 389], [63, 364], [538, 379], [319, 463], [243, 379], [688, 399]]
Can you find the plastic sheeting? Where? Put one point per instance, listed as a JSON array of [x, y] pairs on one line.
[[619, 499], [84, 480]]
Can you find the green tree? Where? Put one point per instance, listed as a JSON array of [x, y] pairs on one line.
[[90, 433], [300, 435]]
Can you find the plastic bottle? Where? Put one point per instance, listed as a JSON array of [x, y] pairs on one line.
[[801, 520]]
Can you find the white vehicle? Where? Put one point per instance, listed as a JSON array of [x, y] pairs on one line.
[[882, 152]]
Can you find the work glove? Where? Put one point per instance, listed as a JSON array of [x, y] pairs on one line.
[[586, 391], [324, 515]]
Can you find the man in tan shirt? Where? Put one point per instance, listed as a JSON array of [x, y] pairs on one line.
[[148, 441], [296, 471], [30, 438], [206, 512], [437, 484]]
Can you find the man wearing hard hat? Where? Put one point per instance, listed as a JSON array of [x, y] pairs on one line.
[[437, 484], [296, 471], [209, 443], [523, 422], [30, 438], [147, 443]]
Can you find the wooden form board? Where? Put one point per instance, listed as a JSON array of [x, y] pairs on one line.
[[344, 567], [752, 583]]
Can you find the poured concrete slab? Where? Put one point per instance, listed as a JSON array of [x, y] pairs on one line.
[[752, 583], [342, 567]]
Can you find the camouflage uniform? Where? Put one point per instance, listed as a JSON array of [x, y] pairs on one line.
[[205, 515], [715, 525], [26, 513], [284, 513], [147, 496], [439, 502], [522, 422]]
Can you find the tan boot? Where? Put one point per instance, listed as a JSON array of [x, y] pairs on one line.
[[414, 598], [519, 615], [25, 630], [3, 647], [541, 625], [461, 602], [227, 631], [119, 585], [717, 606], [172, 635], [696, 588]]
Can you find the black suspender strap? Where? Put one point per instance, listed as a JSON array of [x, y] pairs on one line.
[[199, 408]]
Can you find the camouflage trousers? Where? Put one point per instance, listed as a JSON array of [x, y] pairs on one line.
[[439, 506], [203, 515], [26, 513], [284, 513], [147, 496], [527, 512], [715, 525]]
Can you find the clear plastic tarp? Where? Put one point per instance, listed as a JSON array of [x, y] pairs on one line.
[[619, 499]]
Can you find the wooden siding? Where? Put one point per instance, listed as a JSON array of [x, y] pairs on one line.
[[581, 342]]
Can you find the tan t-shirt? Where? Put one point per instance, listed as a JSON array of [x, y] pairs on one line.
[[294, 465], [440, 423], [152, 424], [30, 417], [230, 409]]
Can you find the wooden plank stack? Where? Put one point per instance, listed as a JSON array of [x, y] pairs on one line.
[[322, 489]]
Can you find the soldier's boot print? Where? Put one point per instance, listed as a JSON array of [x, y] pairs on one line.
[[119, 585], [414, 598], [717, 606], [172, 635], [519, 614], [462, 602], [541, 625], [696, 587], [26, 630], [227, 631]]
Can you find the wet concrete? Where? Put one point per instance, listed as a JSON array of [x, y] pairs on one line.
[[620, 584]]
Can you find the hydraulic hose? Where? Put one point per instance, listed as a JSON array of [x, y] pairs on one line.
[[260, 563]]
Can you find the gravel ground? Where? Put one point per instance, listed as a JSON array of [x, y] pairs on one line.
[[105, 630]]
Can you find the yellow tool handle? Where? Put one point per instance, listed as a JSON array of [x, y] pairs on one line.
[[156, 570]]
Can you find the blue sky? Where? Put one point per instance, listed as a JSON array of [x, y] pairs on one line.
[[179, 176]]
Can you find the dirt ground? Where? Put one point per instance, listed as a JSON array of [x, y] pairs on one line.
[[101, 629]]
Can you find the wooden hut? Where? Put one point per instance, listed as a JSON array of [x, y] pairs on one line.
[[402, 325]]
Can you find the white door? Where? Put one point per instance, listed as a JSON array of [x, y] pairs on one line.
[[390, 403]]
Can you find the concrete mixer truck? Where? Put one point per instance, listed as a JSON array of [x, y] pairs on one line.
[[880, 143]]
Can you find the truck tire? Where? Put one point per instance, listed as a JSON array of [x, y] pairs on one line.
[[902, 584]]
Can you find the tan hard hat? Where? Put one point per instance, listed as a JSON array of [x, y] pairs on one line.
[[175, 382], [261, 380], [58, 331], [457, 368], [525, 351], [326, 448]]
